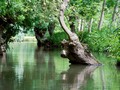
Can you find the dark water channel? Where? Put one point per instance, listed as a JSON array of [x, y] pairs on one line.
[[27, 68]]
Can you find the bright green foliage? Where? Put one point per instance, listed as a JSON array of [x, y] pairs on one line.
[[116, 50], [110, 3], [57, 38], [102, 41], [85, 8], [26, 14], [10, 17]]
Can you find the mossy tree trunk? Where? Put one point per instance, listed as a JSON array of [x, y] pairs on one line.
[[73, 49], [39, 34]]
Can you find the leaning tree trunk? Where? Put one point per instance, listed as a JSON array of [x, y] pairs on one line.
[[73, 49]]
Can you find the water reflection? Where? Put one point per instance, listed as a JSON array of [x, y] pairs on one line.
[[26, 67], [77, 77], [29, 68], [2, 63], [45, 68], [7, 74]]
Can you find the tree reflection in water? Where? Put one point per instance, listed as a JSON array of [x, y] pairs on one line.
[[40, 74], [77, 76], [2, 63], [26, 67], [45, 67]]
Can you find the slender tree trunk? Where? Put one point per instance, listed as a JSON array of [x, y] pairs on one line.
[[90, 25], [79, 25], [115, 10], [82, 25], [73, 49], [102, 15]]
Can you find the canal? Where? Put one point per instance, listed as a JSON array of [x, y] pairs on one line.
[[25, 67]]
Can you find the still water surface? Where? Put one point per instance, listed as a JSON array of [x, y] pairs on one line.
[[26, 67]]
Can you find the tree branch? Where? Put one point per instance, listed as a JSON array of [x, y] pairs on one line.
[[61, 17]]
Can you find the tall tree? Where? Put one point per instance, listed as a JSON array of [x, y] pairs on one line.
[[11, 18], [80, 25], [73, 49], [46, 19], [115, 10]]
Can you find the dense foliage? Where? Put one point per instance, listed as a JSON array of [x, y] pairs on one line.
[[82, 16], [102, 41]]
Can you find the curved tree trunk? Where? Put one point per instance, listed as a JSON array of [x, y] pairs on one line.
[[73, 49]]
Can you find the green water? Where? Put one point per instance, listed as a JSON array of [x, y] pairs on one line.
[[27, 68]]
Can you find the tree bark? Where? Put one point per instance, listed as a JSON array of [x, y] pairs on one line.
[[102, 15], [73, 49]]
